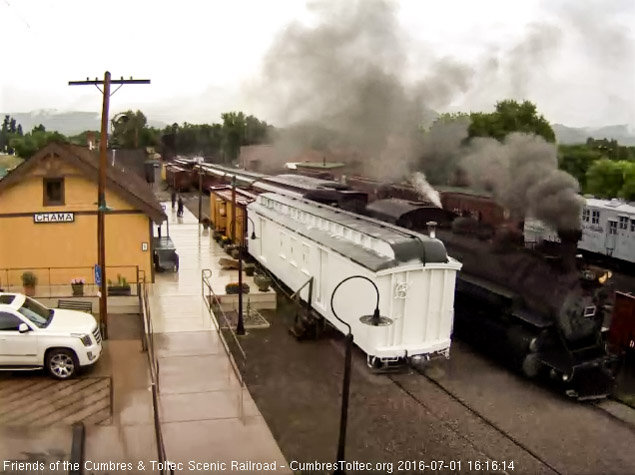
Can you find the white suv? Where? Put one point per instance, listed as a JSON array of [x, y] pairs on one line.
[[33, 336]]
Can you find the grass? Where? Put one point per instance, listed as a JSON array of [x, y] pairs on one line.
[[9, 161]]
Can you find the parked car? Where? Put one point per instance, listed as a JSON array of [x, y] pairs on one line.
[[33, 336]]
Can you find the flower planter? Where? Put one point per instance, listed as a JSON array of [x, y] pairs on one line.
[[232, 289], [119, 291], [78, 289], [263, 282], [29, 281], [250, 269]]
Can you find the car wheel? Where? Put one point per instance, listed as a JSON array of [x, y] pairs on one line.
[[61, 363]]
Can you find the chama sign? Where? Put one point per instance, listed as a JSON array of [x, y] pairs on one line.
[[54, 217]]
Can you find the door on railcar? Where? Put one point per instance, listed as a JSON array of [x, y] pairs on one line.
[[321, 287], [611, 237]]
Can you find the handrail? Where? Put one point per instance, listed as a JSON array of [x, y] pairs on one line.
[[154, 376], [211, 296]]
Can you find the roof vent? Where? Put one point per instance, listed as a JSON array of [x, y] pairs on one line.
[[432, 229]]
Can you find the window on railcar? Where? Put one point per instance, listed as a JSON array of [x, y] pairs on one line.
[[612, 227]]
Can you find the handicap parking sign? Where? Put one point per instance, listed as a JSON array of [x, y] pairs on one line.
[[97, 275]]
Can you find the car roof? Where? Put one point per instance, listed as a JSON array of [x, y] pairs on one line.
[[10, 300]]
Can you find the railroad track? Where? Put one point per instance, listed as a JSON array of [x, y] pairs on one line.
[[476, 414]]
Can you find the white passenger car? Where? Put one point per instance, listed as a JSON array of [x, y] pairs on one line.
[[33, 336], [299, 239], [608, 228]]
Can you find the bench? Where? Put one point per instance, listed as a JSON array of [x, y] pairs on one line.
[[75, 305]]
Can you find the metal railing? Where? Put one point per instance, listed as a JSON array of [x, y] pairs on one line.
[[238, 357], [153, 360], [56, 281]]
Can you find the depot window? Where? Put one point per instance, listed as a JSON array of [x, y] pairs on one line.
[[53, 191], [595, 219], [585, 215], [623, 222]]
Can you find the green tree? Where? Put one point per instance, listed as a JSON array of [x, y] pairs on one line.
[[605, 178], [576, 160], [510, 116], [26, 146], [128, 130], [234, 128], [628, 189]]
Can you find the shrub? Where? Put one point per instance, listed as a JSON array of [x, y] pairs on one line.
[[29, 279], [232, 288]]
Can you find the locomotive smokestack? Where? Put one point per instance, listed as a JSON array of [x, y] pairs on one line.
[[569, 246], [432, 226]]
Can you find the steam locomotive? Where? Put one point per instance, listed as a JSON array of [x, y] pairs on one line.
[[542, 314]]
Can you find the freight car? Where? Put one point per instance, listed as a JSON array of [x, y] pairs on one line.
[[301, 241], [462, 201], [322, 191], [178, 178]]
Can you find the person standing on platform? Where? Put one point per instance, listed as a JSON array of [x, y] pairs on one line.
[[173, 196], [179, 212]]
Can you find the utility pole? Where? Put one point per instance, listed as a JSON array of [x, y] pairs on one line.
[[101, 186]]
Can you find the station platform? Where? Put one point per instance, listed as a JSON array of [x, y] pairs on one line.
[[206, 415]]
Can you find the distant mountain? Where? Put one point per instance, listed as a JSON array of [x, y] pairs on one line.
[[67, 123], [571, 135]]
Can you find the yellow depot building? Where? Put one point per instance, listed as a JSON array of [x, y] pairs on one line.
[[48, 220]]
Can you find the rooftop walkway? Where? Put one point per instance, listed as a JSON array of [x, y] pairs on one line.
[[205, 414]]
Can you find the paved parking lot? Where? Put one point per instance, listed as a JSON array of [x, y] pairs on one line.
[[34, 399]]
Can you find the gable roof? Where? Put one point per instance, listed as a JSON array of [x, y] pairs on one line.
[[128, 160], [128, 185]]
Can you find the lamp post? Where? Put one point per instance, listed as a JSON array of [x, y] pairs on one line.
[[374, 320], [240, 325]]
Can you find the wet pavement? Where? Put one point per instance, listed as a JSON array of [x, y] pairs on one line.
[[206, 416], [112, 399], [473, 409]]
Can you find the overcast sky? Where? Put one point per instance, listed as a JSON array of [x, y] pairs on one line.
[[575, 59]]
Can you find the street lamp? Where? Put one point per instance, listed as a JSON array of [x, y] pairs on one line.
[[240, 325], [373, 320], [253, 229]]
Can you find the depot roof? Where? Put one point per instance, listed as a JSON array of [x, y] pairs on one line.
[[127, 184]]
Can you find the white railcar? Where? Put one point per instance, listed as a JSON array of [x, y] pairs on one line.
[[299, 239], [608, 228]]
